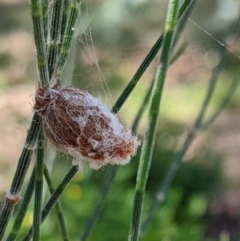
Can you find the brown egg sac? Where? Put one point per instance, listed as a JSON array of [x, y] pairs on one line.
[[79, 124]]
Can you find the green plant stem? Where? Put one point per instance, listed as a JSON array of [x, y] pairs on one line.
[[178, 53], [58, 206], [132, 84], [146, 62], [22, 209], [54, 37], [54, 198], [38, 29], [233, 86], [143, 106], [38, 187], [68, 36], [44, 4], [197, 126], [146, 98], [231, 90], [181, 24], [149, 140], [64, 18], [20, 173], [100, 203]]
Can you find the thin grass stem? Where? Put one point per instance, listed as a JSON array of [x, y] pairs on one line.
[[54, 198], [12, 197], [68, 36], [38, 188], [142, 68], [22, 209], [99, 206], [181, 23], [178, 52], [44, 4], [60, 214], [176, 162], [149, 140], [64, 18], [146, 98], [55, 31], [197, 126], [231, 90], [38, 30], [146, 62]]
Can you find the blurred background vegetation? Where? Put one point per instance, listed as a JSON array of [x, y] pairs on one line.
[[111, 40]]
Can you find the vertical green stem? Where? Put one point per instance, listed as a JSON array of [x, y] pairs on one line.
[[197, 126], [58, 206], [12, 196], [132, 84], [54, 198], [68, 36], [64, 18], [100, 203], [44, 4], [181, 23], [232, 88], [54, 37], [22, 209], [38, 29], [38, 187], [149, 140]]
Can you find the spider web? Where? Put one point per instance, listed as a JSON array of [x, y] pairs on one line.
[[86, 50]]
